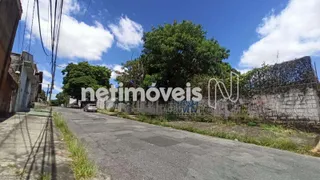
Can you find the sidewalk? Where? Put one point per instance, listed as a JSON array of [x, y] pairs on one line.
[[30, 148]]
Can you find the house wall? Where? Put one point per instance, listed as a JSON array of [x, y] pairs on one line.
[[24, 91], [29, 80], [5, 100], [10, 13]]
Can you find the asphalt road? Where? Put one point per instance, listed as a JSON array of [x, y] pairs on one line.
[[131, 150]]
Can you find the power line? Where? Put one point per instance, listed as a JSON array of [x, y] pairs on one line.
[[34, 4], [88, 6], [25, 26], [55, 39], [38, 9]]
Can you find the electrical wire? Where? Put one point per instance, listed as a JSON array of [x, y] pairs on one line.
[[55, 39], [39, 23], [33, 9], [88, 6], [25, 26]]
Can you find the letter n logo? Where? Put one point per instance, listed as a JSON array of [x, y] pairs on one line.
[[225, 94]]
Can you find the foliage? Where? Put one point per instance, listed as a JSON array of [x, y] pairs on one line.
[[133, 73], [54, 102], [277, 78], [176, 52], [42, 95], [83, 75], [173, 54], [62, 98], [112, 109]]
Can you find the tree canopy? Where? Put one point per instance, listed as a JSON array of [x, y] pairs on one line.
[[62, 98], [42, 95], [133, 73], [83, 75], [173, 54]]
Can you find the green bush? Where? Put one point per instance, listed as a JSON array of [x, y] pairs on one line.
[[171, 117]]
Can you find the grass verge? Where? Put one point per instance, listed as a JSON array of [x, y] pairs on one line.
[[82, 167], [279, 143]]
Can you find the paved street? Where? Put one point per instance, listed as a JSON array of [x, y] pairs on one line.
[[131, 150]]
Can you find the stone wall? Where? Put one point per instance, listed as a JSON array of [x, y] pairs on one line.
[[301, 106], [295, 105]]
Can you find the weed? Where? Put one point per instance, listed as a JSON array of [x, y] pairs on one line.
[[276, 128], [45, 176], [171, 117], [112, 109], [82, 167], [12, 166], [252, 123]]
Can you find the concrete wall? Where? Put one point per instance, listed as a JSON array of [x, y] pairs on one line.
[[28, 80], [297, 106], [106, 104], [8, 90], [10, 13], [23, 91]]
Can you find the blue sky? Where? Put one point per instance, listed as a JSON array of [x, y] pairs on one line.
[[108, 32]]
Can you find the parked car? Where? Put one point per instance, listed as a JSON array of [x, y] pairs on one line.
[[90, 108]]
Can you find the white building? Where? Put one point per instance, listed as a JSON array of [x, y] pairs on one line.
[[29, 81]]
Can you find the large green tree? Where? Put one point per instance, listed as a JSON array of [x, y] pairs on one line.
[[174, 53], [62, 98], [83, 75], [133, 73]]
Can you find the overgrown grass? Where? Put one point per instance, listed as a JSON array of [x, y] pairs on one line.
[[277, 128], [45, 176], [110, 113], [82, 167], [279, 143]]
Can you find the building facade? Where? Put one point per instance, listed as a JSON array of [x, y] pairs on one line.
[[29, 84], [10, 14]]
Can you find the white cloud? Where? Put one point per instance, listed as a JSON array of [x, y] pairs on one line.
[[243, 71], [62, 66], [293, 33], [58, 88], [46, 73], [128, 33], [45, 83], [53, 97], [77, 39], [116, 69]]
